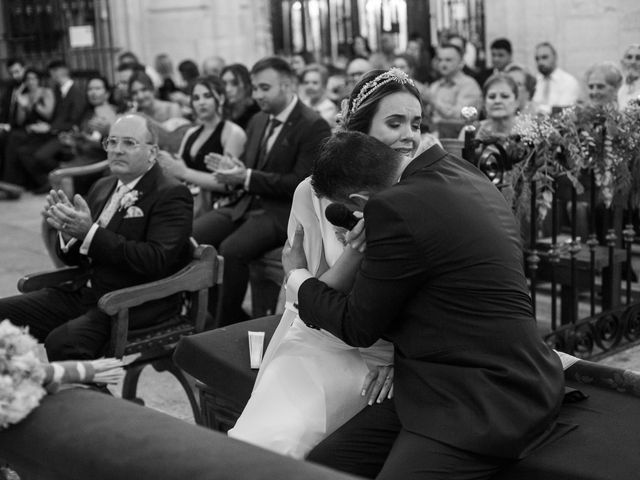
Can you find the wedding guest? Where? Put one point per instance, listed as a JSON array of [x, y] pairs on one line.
[[383, 59], [132, 59], [164, 67], [240, 106], [603, 80], [142, 93], [299, 61], [9, 107], [630, 89], [501, 58], [44, 151], [555, 88], [213, 134], [328, 373], [355, 70], [454, 90], [314, 86], [422, 56], [337, 86], [212, 66], [360, 47], [133, 228], [500, 94], [282, 142], [526, 88], [34, 101], [120, 96], [454, 301]]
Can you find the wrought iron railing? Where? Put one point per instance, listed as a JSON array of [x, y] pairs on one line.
[[578, 262]]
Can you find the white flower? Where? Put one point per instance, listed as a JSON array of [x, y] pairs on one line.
[[129, 199]]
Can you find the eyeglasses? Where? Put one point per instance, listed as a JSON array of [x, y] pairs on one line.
[[630, 57], [127, 143]]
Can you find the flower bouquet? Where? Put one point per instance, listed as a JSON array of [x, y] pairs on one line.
[[25, 379], [573, 144]]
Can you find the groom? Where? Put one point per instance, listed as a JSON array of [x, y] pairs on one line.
[[442, 278]]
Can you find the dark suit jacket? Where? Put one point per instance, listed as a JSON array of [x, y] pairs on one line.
[[69, 110], [288, 162], [131, 251], [443, 279], [6, 115]]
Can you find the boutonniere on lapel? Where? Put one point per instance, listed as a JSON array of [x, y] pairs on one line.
[[128, 201]]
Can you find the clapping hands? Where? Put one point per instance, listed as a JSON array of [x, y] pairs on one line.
[[226, 169], [72, 220]]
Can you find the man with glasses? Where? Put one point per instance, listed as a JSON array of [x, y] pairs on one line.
[[133, 228], [630, 89], [555, 88]]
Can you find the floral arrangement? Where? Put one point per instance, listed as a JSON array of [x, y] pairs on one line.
[[129, 199], [580, 140], [25, 379]]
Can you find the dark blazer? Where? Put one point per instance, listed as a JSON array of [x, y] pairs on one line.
[[131, 251], [7, 114], [288, 162], [442, 278], [69, 110]]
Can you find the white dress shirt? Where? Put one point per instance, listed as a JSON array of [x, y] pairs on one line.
[[86, 243], [560, 89], [282, 116]]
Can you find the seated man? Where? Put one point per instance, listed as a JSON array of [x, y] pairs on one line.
[[133, 228], [282, 142]]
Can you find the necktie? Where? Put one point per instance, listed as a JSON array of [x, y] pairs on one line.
[[112, 207], [264, 144]]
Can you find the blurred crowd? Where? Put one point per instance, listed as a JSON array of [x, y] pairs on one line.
[[49, 118]]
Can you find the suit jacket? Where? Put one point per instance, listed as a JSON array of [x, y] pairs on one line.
[[69, 110], [7, 114], [288, 162], [442, 278], [131, 251]]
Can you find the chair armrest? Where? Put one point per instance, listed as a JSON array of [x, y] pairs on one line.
[[200, 274], [59, 176], [40, 280]]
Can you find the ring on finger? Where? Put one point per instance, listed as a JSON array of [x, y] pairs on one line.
[[64, 227]]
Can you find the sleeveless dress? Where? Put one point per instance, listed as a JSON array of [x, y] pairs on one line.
[[310, 381], [202, 199], [213, 144]]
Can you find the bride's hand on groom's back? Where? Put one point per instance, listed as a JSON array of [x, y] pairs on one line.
[[378, 384]]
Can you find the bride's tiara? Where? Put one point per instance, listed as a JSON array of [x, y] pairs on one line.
[[391, 75]]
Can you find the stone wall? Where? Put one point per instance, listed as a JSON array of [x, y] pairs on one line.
[[237, 30]]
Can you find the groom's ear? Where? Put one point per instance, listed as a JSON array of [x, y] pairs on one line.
[[359, 199]]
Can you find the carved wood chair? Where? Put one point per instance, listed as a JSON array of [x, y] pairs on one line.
[[155, 344]]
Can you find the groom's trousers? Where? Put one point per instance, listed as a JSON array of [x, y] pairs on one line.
[[373, 444]]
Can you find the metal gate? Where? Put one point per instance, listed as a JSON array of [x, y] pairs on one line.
[[76, 31]]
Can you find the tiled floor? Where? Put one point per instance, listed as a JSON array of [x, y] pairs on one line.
[[22, 251]]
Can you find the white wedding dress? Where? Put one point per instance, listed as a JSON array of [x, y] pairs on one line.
[[310, 381]]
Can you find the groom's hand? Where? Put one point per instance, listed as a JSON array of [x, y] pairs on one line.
[[293, 256]]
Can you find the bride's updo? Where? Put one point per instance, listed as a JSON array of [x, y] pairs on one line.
[[358, 110]]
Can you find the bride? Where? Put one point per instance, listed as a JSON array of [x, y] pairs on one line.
[[311, 382]]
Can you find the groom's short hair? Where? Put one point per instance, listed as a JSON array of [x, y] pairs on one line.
[[351, 162]]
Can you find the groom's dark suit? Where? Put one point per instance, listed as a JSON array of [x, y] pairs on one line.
[[140, 244], [443, 279]]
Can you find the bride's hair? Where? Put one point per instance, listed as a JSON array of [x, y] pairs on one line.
[[358, 110]]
